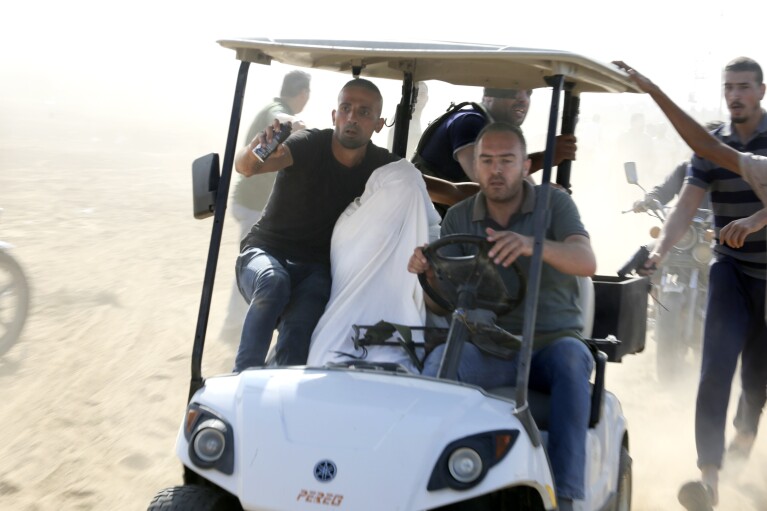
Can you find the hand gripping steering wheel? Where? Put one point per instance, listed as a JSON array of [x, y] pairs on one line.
[[475, 273]]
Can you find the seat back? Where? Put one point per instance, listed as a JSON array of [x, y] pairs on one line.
[[586, 292]]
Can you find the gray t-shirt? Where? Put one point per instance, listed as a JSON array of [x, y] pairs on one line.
[[559, 300]]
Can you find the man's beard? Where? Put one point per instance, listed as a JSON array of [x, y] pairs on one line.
[[351, 144], [738, 120]]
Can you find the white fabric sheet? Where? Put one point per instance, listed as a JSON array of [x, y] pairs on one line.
[[371, 245]]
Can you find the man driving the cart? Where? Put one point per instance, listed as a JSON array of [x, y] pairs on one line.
[[561, 363]]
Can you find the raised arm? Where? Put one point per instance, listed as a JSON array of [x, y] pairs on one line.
[[703, 143], [248, 164]]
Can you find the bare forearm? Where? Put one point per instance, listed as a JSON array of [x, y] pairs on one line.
[[695, 135], [570, 257], [447, 193], [536, 161], [674, 228], [247, 164], [759, 219]]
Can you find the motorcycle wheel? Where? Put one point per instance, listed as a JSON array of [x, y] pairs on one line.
[[14, 301], [671, 348]]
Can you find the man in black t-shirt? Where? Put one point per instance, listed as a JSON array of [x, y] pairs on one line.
[[283, 270]]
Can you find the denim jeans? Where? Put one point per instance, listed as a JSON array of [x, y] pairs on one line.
[[235, 313], [563, 369], [734, 327], [288, 295]]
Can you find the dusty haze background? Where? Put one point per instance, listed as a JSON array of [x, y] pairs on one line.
[[104, 107]]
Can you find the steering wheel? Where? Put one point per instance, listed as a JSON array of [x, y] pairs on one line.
[[476, 271]]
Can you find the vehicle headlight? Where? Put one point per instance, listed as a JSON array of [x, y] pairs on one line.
[[209, 441], [687, 241], [465, 465], [702, 253]]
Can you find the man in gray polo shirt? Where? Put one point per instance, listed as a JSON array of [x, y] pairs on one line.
[[561, 364]]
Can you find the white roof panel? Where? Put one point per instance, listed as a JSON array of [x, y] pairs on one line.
[[482, 65]]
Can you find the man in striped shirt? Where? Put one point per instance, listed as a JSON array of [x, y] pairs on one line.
[[730, 163]]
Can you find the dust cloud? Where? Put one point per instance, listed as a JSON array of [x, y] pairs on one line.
[[97, 202]]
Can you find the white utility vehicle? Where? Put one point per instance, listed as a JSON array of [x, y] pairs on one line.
[[368, 436]]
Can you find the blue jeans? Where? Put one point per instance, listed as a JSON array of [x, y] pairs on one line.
[[235, 314], [562, 369], [288, 295], [734, 327]]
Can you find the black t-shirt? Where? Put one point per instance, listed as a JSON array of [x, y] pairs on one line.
[[309, 196]]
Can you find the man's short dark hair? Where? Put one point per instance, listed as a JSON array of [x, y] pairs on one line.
[[504, 127], [294, 83], [741, 64], [363, 83]]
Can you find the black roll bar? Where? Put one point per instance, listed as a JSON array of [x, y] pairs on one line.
[[570, 113], [222, 194], [403, 116], [534, 278]]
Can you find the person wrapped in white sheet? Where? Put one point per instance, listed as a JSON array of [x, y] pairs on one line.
[[370, 248]]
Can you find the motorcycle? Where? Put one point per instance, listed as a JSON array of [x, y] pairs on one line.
[[679, 287], [14, 298]]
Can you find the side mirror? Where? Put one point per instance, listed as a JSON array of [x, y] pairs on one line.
[[630, 168], [205, 175]]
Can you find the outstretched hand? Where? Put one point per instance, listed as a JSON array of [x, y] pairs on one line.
[[644, 83]]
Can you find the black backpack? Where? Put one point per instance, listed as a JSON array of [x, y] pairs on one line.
[[419, 163]]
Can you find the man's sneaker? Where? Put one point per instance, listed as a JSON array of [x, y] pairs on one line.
[[696, 496]]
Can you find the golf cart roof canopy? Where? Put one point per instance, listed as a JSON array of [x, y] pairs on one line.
[[482, 65]]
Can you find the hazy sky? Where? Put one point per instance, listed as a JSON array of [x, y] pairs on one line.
[[167, 49], [150, 76]]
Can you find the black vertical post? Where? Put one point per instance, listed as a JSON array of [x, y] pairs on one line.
[[402, 117], [536, 263], [216, 233], [569, 121]]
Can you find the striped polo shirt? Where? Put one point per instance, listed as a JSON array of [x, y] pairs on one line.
[[732, 198]]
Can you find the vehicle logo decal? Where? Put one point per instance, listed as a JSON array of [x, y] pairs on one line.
[[325, 471]]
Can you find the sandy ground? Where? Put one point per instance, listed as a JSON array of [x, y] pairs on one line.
[[94, 392]]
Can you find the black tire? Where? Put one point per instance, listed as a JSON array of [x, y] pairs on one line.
[[14, 301], [623, 499], [193, 498], [670, 347]]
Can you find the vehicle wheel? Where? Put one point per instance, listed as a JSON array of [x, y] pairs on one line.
[[14, 301], [193, 498], [670, 347], [623, 500]]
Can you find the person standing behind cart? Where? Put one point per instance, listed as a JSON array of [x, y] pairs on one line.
[[447, 151], [283, 269], [250, 195], [735, 323]]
